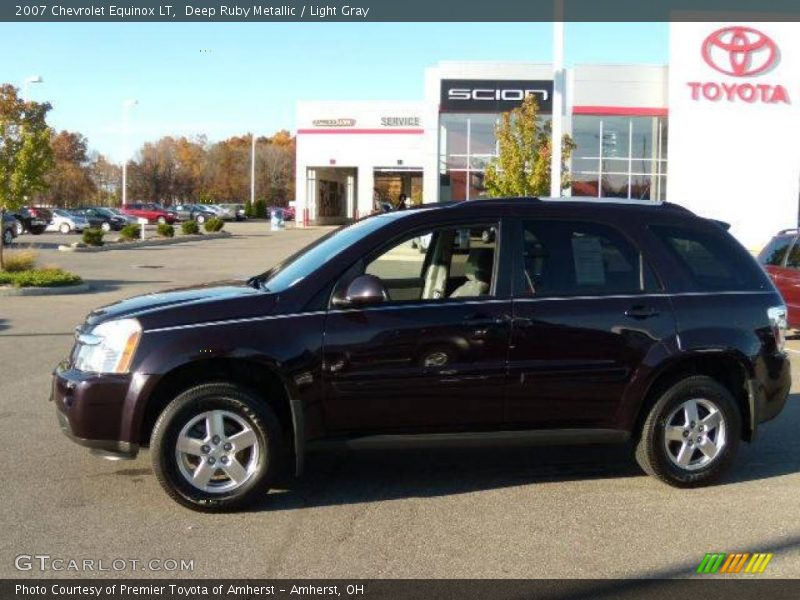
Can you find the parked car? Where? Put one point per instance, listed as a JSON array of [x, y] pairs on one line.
[[10, 224], [194, 212], [154, 213], [32, 219], [781, 260], [102, 218], [582, 322], [129, 219], [65, 221], [288, 212], [221, 211], [238, 211]]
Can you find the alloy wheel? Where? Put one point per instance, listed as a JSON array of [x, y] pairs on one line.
[[217, 451], [695, 434]]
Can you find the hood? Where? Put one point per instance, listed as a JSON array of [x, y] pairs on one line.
[[185, 306]]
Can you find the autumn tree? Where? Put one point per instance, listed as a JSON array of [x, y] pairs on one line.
[[522, 167], [107, 179], [70, 181], [25, 153]]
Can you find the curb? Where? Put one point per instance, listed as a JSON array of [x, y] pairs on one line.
[[45, 291], [145, 243]]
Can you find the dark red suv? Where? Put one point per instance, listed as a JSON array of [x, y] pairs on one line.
[[576, 322]]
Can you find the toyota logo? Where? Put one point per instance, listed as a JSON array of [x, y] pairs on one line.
[[740, 51]]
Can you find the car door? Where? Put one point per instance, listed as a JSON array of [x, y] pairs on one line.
[[587, 312], [433, 356]]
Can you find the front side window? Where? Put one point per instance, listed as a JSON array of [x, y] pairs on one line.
[[569, 258], [775, 252], [440, 264]]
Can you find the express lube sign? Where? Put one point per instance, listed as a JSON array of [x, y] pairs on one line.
[[740, 53]]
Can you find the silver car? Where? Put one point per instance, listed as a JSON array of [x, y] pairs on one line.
[[64, 221]]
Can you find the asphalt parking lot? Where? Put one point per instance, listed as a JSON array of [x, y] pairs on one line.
[[477, 513]]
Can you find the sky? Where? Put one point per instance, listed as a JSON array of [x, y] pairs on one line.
[[224, 79]]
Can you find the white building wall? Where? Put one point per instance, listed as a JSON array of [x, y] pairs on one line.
[[735, 160], [357, 135]]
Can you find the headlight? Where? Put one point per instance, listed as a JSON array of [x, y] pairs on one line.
[[778, 320], [109, 348]]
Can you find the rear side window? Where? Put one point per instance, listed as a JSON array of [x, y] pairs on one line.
[[713, 260], [573, 258], [775, 252]]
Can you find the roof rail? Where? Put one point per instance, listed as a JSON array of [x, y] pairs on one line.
[[790, 230], [591, 199]]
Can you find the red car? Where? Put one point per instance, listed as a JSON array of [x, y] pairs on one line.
[[781, 260], [152, 212]]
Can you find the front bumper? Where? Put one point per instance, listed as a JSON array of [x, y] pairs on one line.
[[90, 410], [769, 390]]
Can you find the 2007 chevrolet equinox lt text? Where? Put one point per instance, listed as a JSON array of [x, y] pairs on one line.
[[552, 320]]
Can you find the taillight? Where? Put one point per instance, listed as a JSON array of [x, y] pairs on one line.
[[33, 212], [779, 323]]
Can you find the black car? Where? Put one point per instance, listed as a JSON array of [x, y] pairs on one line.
[[194, 212], [32, 219], [102, 218], [577, 322], [10, 228]]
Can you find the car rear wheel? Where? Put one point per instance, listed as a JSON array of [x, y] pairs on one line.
[[691, 435], [64, 228], [217, 447], [200, 219]]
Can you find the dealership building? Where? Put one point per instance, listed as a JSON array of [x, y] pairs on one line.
[[717, 131]]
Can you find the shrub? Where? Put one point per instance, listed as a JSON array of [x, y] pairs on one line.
[[130, 232], [49, 277], [93, 237], [17, 262], [165, 230], [214, 224], [256, 210], [190, 228]]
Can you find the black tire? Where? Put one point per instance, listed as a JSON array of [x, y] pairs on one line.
[[255, 411], [8, 236], [652, 453], [36, 230]]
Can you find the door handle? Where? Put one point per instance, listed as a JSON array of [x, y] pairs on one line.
[[641, 312]]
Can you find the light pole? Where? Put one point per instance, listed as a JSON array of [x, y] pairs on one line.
[[558, 97], [252, 169], [27, 83], [126, 107]]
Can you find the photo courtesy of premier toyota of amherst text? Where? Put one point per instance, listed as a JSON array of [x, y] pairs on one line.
[[426, 300]]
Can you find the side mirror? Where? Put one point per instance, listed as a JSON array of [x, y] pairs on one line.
[[364, 290]]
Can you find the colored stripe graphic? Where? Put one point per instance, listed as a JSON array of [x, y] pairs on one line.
[[758, 563], [711, 563]]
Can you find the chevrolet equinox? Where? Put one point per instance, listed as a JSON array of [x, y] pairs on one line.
[[556, 321]]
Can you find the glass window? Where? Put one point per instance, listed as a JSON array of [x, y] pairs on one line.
[[713, 259], [793, 260], [454, 262], [775, 252], [566, 258]]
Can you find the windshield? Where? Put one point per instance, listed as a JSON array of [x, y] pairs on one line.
[[300, 265]]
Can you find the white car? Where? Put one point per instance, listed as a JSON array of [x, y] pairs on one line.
[[222, 212], [64, 221]]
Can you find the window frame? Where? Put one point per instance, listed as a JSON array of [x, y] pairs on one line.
[[520, 288], [500, 287]]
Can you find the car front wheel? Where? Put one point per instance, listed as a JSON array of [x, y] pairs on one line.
[[162, 220], [691, 435], [18, 228], [200, 219], [217, 447], [64, 228], [106, 226], [8, 237]]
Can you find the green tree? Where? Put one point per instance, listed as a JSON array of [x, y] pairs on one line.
[[25, 153], [522, 167]]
